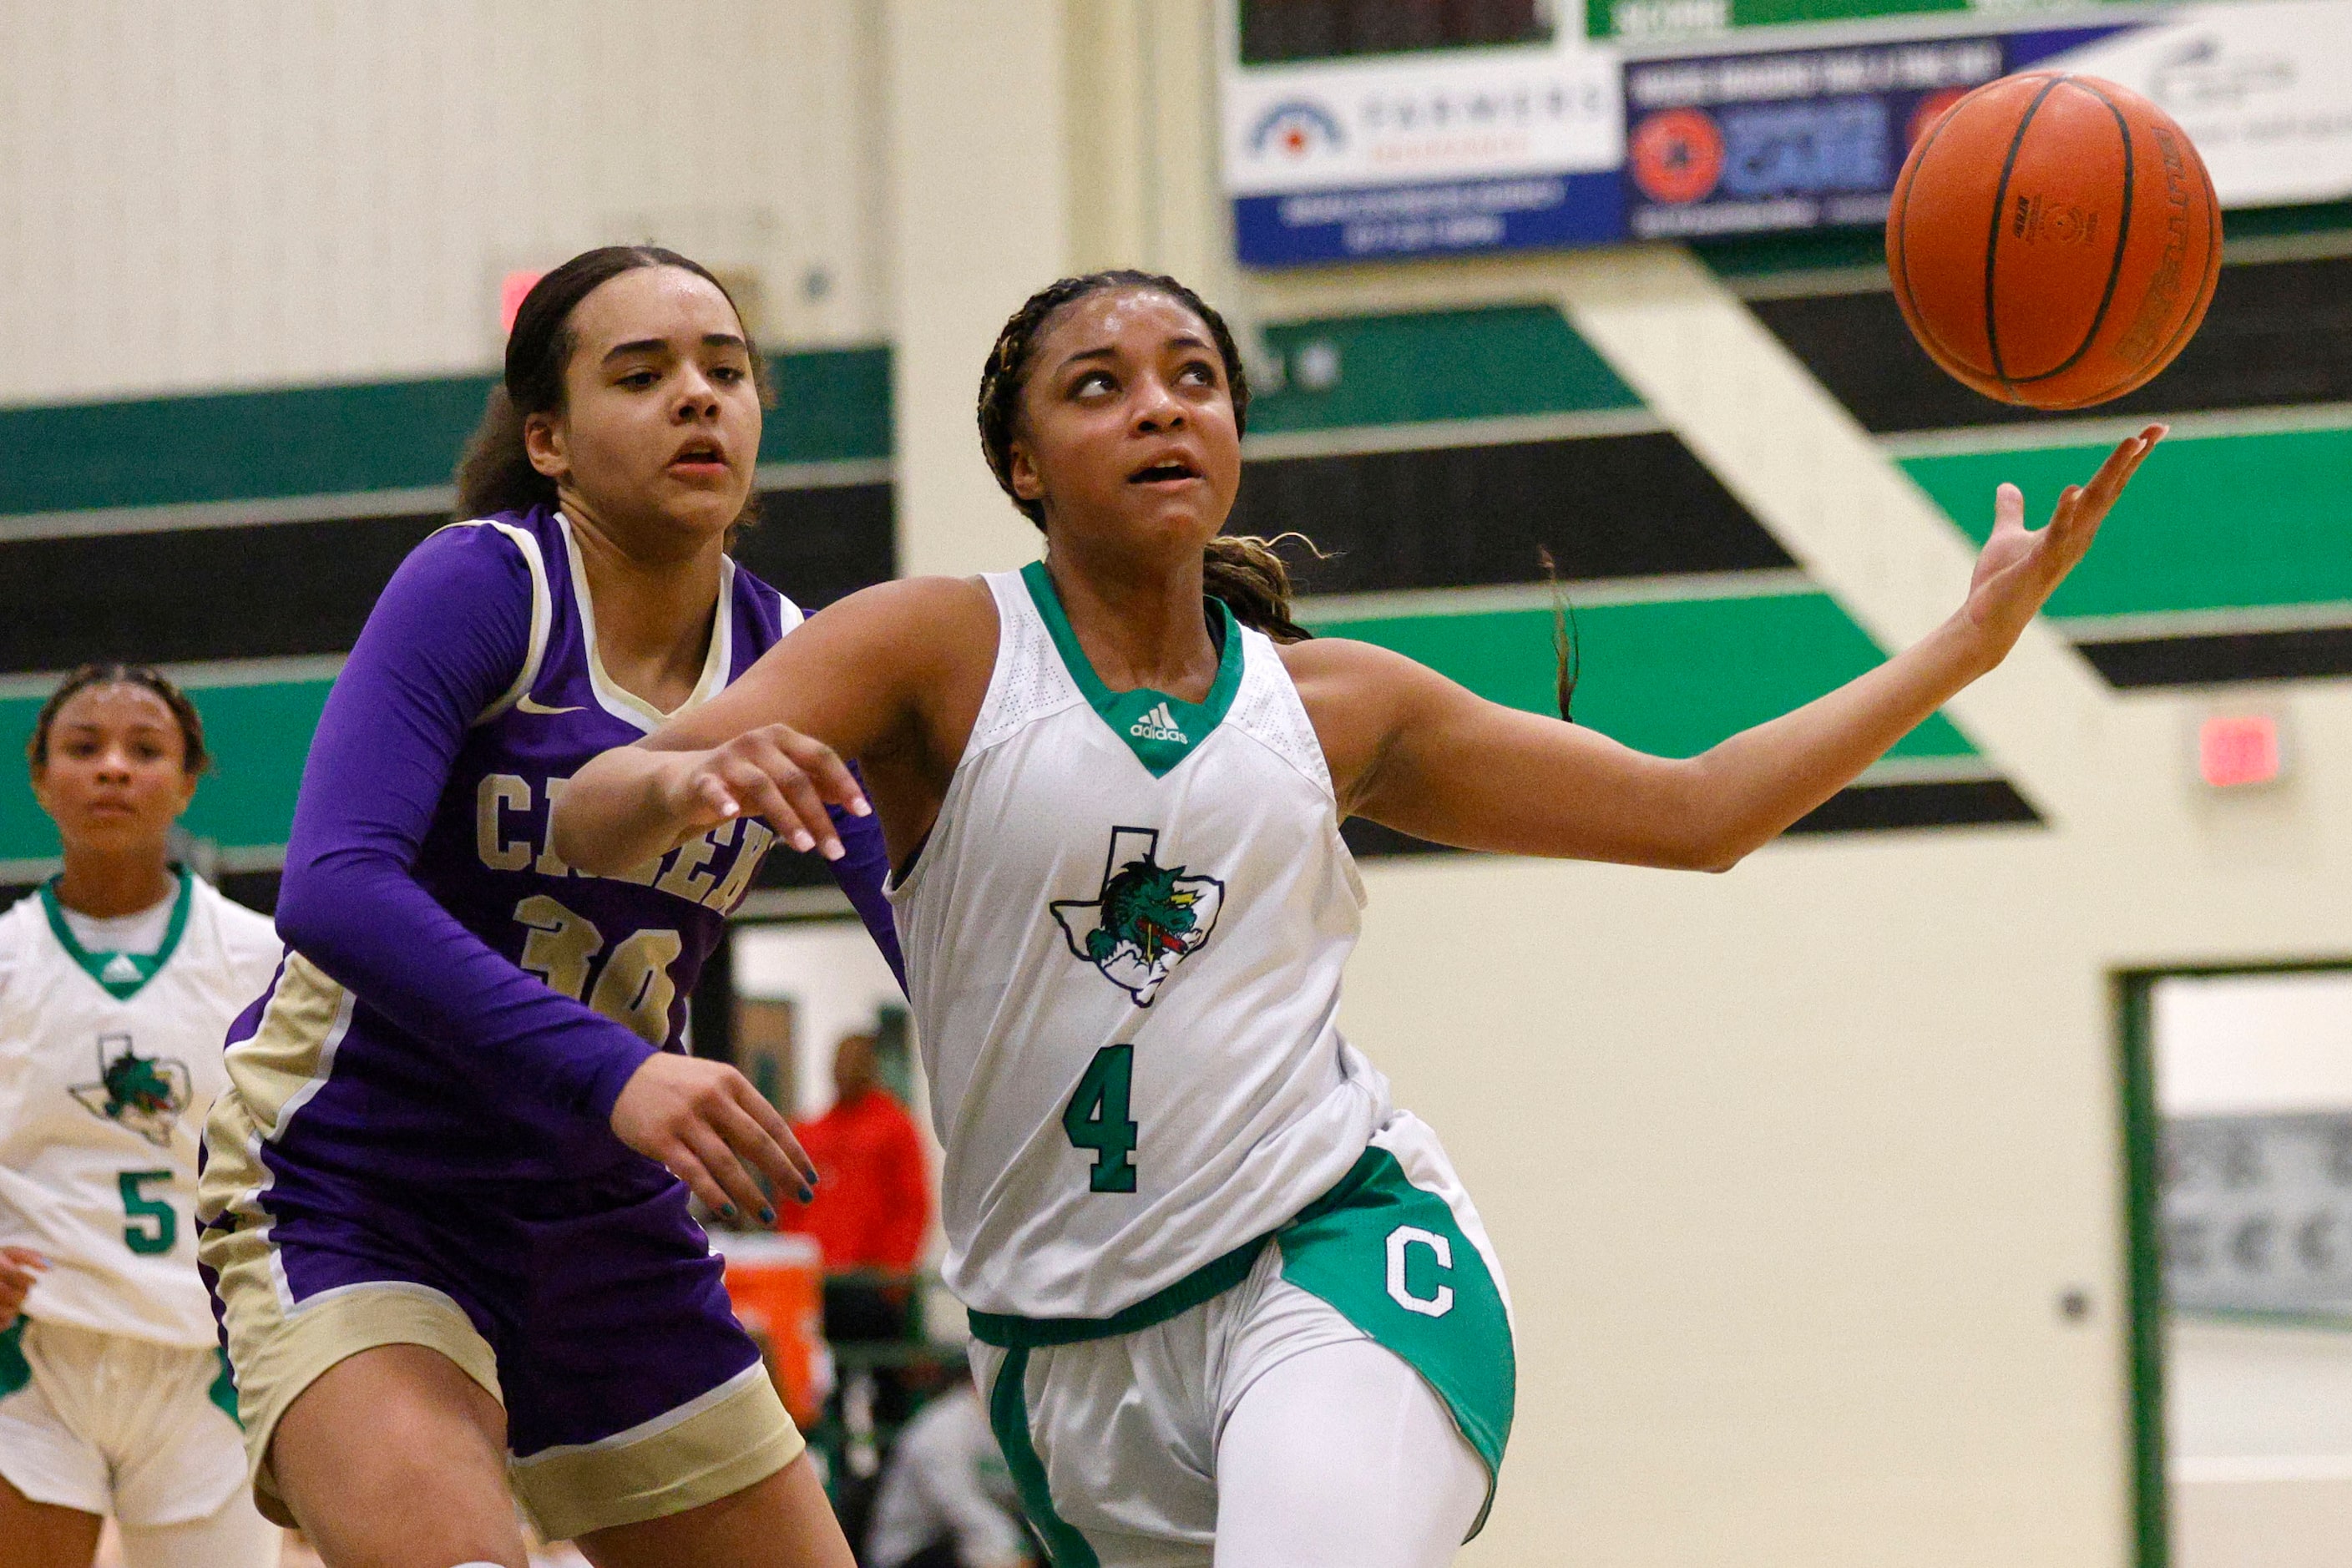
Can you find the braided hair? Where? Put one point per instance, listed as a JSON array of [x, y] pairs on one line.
[[1243, 570], [194, 758]]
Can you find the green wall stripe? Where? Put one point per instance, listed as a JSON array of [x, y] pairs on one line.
[[833, 405], [1671, 678], [260, 735], [1433, 365], [2209, 522]]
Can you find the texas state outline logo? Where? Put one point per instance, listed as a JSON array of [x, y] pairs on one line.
[[145, 1094], [1146, 918]]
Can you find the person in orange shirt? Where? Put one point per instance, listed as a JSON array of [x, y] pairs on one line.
[[873, 1204]]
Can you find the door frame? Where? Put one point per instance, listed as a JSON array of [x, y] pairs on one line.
[[2144, 1314]]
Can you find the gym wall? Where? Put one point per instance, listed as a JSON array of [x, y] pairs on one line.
[[1795, 1170]]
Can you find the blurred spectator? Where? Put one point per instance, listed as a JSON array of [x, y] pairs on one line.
[[873, 1204], [947, 1498]]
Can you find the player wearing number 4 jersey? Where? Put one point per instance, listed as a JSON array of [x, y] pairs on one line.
[[1230, 1300], [117, 978], [447, 1257]]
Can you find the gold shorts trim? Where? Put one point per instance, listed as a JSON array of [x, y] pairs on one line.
[[711, 1447], [279, 1353]]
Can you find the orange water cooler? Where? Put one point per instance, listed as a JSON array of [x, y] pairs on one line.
[[777, 1285]]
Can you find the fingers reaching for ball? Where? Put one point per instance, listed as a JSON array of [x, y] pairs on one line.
[[2082, 508], [2020, 568]]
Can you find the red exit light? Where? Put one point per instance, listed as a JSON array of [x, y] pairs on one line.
[[511, 289], [2235, 750]]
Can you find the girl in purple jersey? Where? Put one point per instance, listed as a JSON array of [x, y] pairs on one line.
[[444, 1204]]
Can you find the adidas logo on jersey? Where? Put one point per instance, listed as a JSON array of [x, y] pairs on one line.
[[1158, 725]]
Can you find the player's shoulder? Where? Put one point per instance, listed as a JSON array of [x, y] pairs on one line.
[[505, 549], [240, 927], [944, 610], [771, 611], [1340, 668], [24, 925]]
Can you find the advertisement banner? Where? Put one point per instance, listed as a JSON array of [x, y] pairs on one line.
[[1735, 143], [2262, 87], [1684, 21], [1572, 141], [1417, 154]]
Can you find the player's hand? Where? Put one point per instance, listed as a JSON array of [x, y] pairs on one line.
[[774, 772], [704, 1122], [2019, 569], [19, 1267]]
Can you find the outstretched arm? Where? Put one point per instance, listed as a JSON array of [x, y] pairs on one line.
[[889, 677], [1418, 753]]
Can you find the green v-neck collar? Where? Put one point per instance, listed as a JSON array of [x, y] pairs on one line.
[[1160, 730], [120, 974]]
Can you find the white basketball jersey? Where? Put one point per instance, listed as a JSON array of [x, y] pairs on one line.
[[108, 1065], [1124, 940]]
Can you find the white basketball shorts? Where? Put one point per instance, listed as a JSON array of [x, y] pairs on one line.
[[137, 1431]]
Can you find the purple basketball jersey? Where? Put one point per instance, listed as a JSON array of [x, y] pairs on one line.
[[475, 693]]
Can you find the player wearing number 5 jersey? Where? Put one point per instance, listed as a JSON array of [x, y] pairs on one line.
[[117, 978], [1230, 1302], [448, 1256]]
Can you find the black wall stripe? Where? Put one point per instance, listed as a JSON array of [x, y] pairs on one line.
[[2218, 659], [1618, 506], [2279, 332], [291, 589], [817, 545], [1972, 802], [1864, 809]]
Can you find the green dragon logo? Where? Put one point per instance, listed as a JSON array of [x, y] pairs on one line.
[[146, 1094], [1146, 919]]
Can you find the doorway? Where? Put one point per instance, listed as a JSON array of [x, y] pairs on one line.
[[2238, 1118]]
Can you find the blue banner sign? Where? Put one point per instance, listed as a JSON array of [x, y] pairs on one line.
[[1743, 143], [1354, 224]]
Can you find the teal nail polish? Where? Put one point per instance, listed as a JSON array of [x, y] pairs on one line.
[[767, 1216], [727, 1211], [808, 1194]]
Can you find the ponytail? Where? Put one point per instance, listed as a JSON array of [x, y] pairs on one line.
[[1243, 570], [495, 474]]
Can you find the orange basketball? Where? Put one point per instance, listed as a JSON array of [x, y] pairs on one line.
[[2053, 239]]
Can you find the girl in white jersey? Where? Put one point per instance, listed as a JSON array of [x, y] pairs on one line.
[[118, 979], [1229, 1299]]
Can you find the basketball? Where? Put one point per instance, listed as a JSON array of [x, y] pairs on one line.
[[2053, 240]]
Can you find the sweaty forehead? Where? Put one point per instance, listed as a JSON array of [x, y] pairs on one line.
[[666, 302], [1136, 319]]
